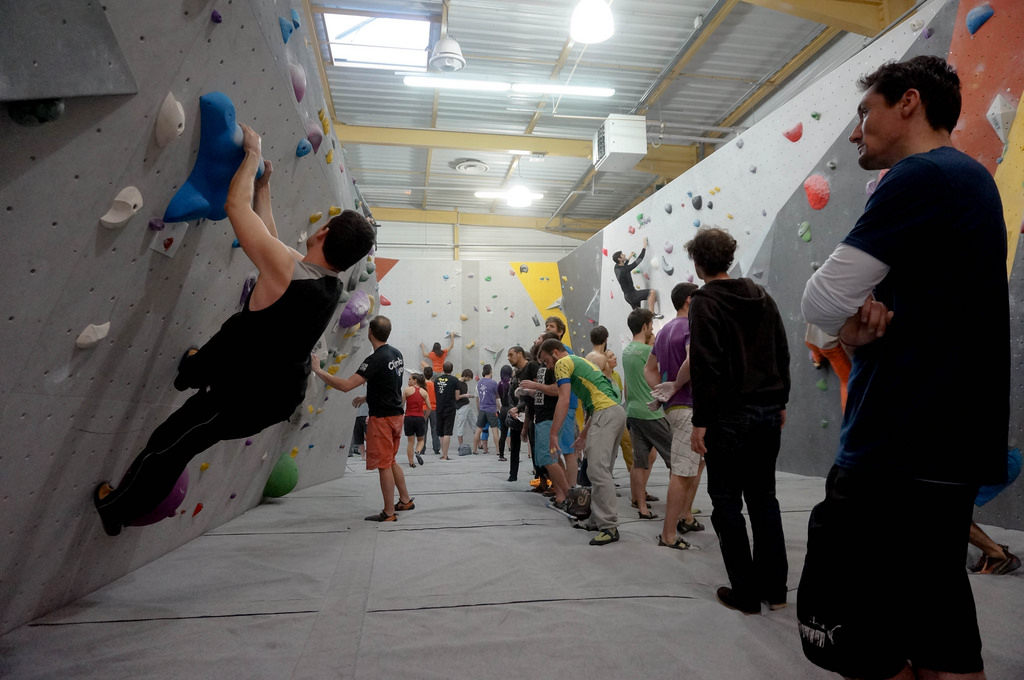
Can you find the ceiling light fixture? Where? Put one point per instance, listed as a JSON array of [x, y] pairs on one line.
[[447, 55], [517, 196], [562, 90], [592, 22], [457, 84]]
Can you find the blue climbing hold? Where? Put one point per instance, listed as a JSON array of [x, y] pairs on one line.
[[977, 17], [303, 148], [295, 18], [220, 153], [286, 28]]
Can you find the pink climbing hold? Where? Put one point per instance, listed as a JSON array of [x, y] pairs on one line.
[[817, 190], [794, 133], [298, 80], [631, 230]]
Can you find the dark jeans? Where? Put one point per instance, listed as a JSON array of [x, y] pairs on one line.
[[434, 438], [201, 422], [743, 446], [503, 424], [515, 443]]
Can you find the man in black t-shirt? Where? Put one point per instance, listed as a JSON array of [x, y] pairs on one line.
[[383, 372], [446, 387], [624, 275]]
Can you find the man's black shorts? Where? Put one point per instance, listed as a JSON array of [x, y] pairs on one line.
[[445, 422]]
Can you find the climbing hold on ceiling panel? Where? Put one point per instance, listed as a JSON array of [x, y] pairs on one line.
[[286, 28], [170, 121], [977, 17], [330, 156], [523, 269], [295, 18], [668, 246], [168, 507], [804, 232], [794, 133], [668, 208], [817, 190], [92, 335], [283, 478], [220, 153], [126, 203], [815, 115]]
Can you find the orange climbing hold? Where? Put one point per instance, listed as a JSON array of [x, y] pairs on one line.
[[817, 190]]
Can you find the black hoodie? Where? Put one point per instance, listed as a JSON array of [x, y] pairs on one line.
[[739, 355]]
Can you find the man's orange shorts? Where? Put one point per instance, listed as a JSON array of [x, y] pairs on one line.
[[383, 437]]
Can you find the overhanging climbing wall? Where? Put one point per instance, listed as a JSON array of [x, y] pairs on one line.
[[72, 417], [789, 188]]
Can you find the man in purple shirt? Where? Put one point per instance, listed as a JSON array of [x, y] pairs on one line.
[[668, 361], [487, 393]]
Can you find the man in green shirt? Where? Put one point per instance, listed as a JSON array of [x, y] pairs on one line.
[[647, 429], [606, 420]]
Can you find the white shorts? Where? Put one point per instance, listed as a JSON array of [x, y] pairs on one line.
[[685, 463]]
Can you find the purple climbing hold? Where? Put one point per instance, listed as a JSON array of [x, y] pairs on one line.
[[314, 135], [248, 442], [927, 33], [356, 309], [298, 75], [156, 224], [215, 17], [304, 426], [668, 246], [247, 286], [977, 17], [168, 507]]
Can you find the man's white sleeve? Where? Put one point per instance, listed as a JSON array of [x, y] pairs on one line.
[[838, 289]]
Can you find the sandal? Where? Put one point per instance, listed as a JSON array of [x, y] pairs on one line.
[[682, 526], [680, 544], [651, 499], [649, 515]]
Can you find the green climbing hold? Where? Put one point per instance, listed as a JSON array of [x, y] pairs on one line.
[[815, 115], [823, 385], [506, 325], [487, 278], [494, 296], [283, 477], [364, 276], [805, 232], [370, 267], [824, 424]]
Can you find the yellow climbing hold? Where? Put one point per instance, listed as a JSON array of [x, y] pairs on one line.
[[321, 114], [463, 317], [337, 359], [204, 467], [471, 345], [309, 408], [295, 451], [333, 370], [409, 301], [334, 210], [340, 357], [330, 156], [729, 215], [319, 410], [565, 278], [315, 217]]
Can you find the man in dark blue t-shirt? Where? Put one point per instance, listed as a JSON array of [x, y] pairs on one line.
[[878, 293], [383, 372]]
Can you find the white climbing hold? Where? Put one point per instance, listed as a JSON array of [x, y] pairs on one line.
[[557, 304], [126, 203], [1000, 115], [92, 335], [170, 121]]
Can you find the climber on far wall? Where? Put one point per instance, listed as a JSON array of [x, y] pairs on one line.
[[624, 274], [291, 304]]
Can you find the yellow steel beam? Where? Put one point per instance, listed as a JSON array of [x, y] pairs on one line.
[[315, 46], [472, 141], [777, 78], [680, 66], [454, 217], [865, 17]]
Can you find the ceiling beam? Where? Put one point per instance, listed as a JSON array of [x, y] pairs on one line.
[[864, 17], [585, 228], [810, 51]]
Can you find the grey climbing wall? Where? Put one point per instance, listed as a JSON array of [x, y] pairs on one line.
[[581, 292], [72, 417]]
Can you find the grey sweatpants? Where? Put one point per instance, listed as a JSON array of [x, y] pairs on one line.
[[606, 427]]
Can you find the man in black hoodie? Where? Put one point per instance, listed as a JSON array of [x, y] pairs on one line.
[[739, 368]]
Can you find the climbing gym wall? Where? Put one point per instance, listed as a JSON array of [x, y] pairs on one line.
[[109, 275], [789, 189], [489, 306]]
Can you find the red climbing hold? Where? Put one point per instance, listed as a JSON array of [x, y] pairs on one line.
[[168, 242], [384, 302], [817, 190], [199, 509], [632, 230], [794, 133], [604, 251]]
